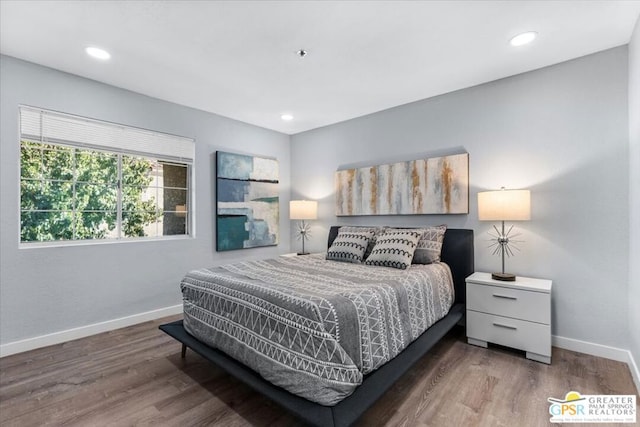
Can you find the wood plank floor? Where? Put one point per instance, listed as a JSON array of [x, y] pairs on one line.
[[135, 376]]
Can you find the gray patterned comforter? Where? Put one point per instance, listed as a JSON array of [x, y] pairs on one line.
[[313, 326]]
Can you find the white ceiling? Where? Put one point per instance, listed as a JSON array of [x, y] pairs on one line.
[[238, 58]]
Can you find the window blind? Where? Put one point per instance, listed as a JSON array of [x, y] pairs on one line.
[[41, 125]]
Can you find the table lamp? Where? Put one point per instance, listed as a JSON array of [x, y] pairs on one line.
[[303, 210], [504, 205]]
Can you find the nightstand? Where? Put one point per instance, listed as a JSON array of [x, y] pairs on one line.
[[291, 255], [514, 314]]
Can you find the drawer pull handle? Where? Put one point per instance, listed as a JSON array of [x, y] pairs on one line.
[[504, 296], [504, 326]]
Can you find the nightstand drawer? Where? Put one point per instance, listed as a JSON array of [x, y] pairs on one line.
[[528, 336], [515, 303]]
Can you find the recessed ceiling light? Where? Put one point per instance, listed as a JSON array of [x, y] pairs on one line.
[[524, 38], [286, 117], [97, 53]]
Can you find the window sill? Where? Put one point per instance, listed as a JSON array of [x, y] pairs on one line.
[[89, 242]]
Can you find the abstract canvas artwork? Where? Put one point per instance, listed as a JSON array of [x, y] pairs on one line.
[[438, 185], [247, 211]]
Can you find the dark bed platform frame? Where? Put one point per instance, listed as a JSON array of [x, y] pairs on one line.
[[457, 252]]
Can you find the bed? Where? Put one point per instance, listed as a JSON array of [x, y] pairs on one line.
[[375, 377]]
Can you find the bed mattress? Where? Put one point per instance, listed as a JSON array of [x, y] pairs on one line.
[[311, 326]]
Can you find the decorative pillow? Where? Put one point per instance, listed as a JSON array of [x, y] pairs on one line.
[[394, 248], [376, 232], [430, 245], [349, 246]]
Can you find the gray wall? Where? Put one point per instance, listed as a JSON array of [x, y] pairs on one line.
[[49, 290], [634, 194], [561, 131]]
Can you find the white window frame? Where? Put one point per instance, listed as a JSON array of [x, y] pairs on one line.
[[51, 127]]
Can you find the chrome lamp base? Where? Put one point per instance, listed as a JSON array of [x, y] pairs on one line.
[[501, 242], [303, 234]]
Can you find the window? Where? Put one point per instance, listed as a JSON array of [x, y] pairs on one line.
[[82, 179]]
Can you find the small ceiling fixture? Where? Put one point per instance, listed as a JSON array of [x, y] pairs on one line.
[[96, 52], [524, 38], [301, 53], [286, 117]]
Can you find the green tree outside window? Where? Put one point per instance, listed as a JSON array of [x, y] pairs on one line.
[[70, 193]]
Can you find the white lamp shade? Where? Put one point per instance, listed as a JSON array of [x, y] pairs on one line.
[[303, 209], [504, 205]]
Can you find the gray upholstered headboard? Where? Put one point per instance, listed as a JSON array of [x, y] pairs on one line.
[[457, 252]]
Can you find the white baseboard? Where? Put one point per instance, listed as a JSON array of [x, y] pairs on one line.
[[85, 331], [613, 353], [635, 372], [599, 350]]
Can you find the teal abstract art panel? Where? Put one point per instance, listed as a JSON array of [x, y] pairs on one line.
[[231, 232], [247, 201], [234, 166]]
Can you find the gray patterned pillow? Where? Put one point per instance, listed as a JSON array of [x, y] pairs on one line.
[[430, 245], [376, 232], [349, 246], [394, 248]]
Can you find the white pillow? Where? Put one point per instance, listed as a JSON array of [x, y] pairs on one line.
[[349, 246], [394, 248], [372, 242]]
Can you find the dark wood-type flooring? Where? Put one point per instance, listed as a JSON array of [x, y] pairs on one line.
[[135, 376]]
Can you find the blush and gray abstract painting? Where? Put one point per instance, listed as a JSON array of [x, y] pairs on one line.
[[438, 185]]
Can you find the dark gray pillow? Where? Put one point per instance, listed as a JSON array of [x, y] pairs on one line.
[[430, 245], [394, 248], [349, 246]]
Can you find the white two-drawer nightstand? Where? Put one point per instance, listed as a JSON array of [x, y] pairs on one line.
[[291, 255], [514, 314]]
